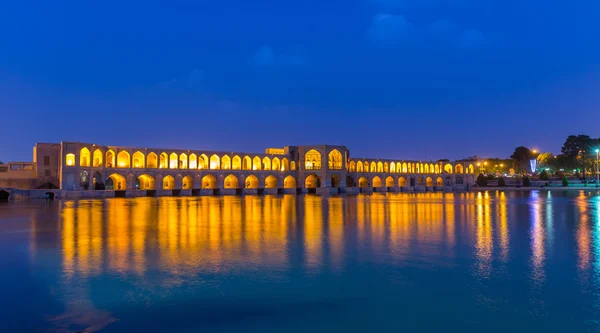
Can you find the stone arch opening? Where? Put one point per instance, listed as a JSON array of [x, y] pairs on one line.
[[236, 163], [247, 163], [350, 182], [412, 182], [285, 164], [225, 162], [276, 164], [251, 182], [266, 162], [271, 182], [84, 157], [152, 162], [97, 158], [363, 182], [116, 182], [352, 166], [123, 159], [97, 181], [203, 162], [183, 161], [312, 160], [335, 160], [458, 168], [173, 161], [439, 181], [193, 161], [390, 182], [402, 182], [146, 182], [289, 182], [312, 181], [335, 181], [84, 180], [168, 182], [163, 161], [429, 182], [448, 168], [4, 195], [256, 163], [377, 182], [138, 160], [209, 182], [110, 159], [231, 181], [187, 182]]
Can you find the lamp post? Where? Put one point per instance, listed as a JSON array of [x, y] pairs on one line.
[[597, 160]]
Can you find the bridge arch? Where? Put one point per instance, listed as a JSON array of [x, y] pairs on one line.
[[231, 181], [363, 182], [209, 182], [116, 182], [146, 182], [252, 182], [289, 182], [271, 182], [390, 182], [312, 181]]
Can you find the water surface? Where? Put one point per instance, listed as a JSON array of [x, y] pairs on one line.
[[435, 262]]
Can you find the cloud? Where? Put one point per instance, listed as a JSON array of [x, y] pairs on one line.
[[266, 57], [397, 30], [194, 80], [389, 29]]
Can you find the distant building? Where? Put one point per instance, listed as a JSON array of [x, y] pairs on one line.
[[83, 167]]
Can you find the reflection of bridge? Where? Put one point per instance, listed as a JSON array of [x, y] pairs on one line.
[[292, 169]]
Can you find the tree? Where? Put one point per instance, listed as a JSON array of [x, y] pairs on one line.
[[481, 180], [521, 156], [501, 182], [544, 175], [577, 151], [565, 181], [526, 182]]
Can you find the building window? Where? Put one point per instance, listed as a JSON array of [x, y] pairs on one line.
[[47, 173], [70, 159], [46, 160]]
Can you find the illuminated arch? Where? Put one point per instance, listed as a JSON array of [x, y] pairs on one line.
[[289, 182], [426, 168], [183, 161], [152, 162], [193, 164], [363, 182], [271, 182], [420, 181], [163, 161], [379, 167], [209, 182], [146, 182], [138, 160], [414, 170], [312, 181], [402, 182], [365, 166], [168, 182], [350, 182], [419, 168], [231, 181], [215, 162], [439, 181], [431, 168], [404, 168], [266, 161], [123, 159], [471, 168], [187, 182], [275, 164], [256, 163], [352, 166], [251, 182], [458, 168], [173, 161], [285, 165], [373, 167], [116, 182], [84, 157], [70, 159], [236, 163], [335, 160], [437, 168], [225, 162], [110, 159], [429, 182], [392, 167], [292, 165], [247, 163], [359, 167], [390, 182], [202, 162], [312, 160], [448, 168], [97, 158], [377, 182]]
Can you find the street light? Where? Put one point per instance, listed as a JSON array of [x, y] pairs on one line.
[[597, 175]]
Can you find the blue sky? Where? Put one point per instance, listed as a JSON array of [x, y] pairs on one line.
[[415, 79]]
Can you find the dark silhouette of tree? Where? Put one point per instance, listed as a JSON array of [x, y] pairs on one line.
[[544, 175], [565, 181], [526, 182], [501, 182], [521, 156], [481, 180]]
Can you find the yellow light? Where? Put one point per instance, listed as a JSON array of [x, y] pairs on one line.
[[478, 164], [484, 163], [535, 151], [501, 165]]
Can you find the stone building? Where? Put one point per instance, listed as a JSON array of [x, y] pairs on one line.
[[91, 170]]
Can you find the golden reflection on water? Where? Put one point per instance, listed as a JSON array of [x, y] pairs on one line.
[[538, 238], [583, 234], [484, 234]]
